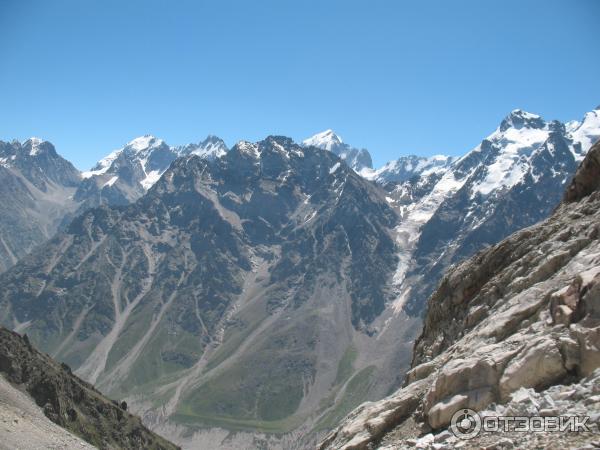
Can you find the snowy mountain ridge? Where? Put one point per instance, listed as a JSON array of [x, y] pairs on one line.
[[145, 149], [406, 167], [514, 141], [126, 174], [472, 201], [141, 147]]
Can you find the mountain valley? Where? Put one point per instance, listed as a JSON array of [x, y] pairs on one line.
[[252, 297]]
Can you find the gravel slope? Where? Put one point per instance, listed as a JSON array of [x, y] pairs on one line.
[[23, 425]]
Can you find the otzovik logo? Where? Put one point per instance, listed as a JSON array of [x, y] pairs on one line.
[[465, 424]]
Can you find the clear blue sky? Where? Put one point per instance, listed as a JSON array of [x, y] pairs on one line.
[[394, 76]]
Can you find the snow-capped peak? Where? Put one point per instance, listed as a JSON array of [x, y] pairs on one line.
[[509, 151], [327, 140], [522, 119], [358, 159], [210, 148], [141, 146], [506, 152], [587, 131], [523, 114], [154, 156], [143, 143]]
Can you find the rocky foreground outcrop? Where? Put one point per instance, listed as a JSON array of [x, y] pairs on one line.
[[516, 324], [64, 399]]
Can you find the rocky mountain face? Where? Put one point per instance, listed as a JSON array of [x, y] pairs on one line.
[[40, 393], [39, 163], [36, 190], [357, 159], [237, 293], [40, 191], [513, 330], [512, 180], [452, 207]]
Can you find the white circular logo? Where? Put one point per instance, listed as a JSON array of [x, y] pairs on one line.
[[465, 424]]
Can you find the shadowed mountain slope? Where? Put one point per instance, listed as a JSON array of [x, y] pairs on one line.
[[67, 401]]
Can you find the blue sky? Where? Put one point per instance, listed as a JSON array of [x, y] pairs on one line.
[[396, 77]]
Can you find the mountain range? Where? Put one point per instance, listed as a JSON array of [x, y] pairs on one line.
[[512, 332], [252, 297], [42, 192]]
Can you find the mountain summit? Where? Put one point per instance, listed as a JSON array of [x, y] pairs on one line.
[[358, 159], [327, 140], [40, 191], [518, 119]]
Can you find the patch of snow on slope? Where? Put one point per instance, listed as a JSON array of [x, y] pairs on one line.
[[248, 148], [151, 178], [103, 165], [310, 217], [368, 173], [110, 182], [35, 145], [335, 167]]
